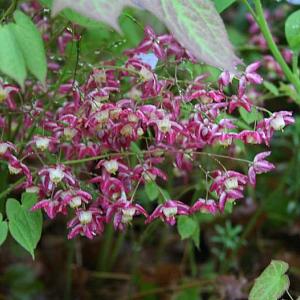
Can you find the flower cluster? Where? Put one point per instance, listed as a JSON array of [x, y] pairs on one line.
[[88, 148]]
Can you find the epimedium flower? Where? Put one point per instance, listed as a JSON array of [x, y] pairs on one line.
[[205, 206], [6, 149], [122, 213], [43, 143], [53, 176], [88, 223], [277, 121], [16, 167], [119, 130], [281, 119], [168, 211], [260, 165], [52, 206], [7, 92], [152, 41], [228, 185]]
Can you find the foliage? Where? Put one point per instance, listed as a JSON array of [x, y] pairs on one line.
[[24, 226], [195, 23], [272, 283]]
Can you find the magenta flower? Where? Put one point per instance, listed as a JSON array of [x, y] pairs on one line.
[[43, 143], [87, 222], [6, 94], [52, 206], [251, 75], [6, 148], [260, 165], [228, 186], [250, 137], [277, 121], [123, 212], [153, 42], [168, 211], [52, 176], [16, 167], [205, 206]]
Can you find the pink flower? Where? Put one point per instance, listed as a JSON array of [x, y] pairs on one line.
[[16, 167], [152, 42], [52, 206], [6, 94], [260, 165], [53, 176], [167, 211], [250, 137], [204, 206], [6, 148], [228, 186], [87, 222], [251, 75], [123, 212]]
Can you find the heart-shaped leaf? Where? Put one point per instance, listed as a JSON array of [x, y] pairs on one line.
[[292, 30], [3, 230], [186, 226], [25, 226], [272, 283], [31, 44], [151, 190], [223, 4], [195, 23], [250, 117], [12, 62]]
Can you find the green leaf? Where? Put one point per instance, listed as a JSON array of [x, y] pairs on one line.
[[74, 16], [31, 45], [80, 19], [250, 117], [152, 190], [199, 28], [196, 237], [195, 23], [135, 148], [186, 226], [223, 4], [3, 230], [292, 30], [272, 283], [271, 87], [25, 226], [12, 62]]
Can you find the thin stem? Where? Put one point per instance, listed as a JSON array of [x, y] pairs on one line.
[[251, 10], [287, 291], [83, 160], [10, 10], [113, 276], [11, 188], [264, 27]]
